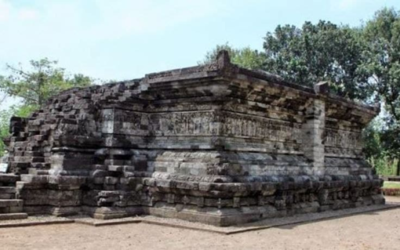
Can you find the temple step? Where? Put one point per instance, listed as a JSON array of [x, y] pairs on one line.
[[7, 192], [11, 206], [13, 216], [8, 179]]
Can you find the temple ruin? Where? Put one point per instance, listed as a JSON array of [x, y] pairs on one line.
[[215, 143]]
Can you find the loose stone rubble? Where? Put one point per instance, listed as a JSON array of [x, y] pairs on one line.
[[215, 143]]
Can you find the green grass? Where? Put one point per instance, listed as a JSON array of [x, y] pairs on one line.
[[391, 184]]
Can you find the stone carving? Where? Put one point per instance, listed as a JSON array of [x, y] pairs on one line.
[[342, 138], [267, 129], [216, 143], [188, 123]]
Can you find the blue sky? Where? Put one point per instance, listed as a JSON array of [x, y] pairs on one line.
[[122, 39]]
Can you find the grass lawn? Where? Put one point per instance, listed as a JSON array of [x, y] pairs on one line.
[[391, 184]]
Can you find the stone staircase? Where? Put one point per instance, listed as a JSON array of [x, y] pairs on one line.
[[10, 207]]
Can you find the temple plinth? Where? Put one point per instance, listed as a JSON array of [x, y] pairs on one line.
[[214, 143]]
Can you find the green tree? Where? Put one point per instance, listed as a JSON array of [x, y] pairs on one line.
[[372, 136], [317, 52], [380, 66], [244, 57], [380, 69], [376, 148], [43, 80]]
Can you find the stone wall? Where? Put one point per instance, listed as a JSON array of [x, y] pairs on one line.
[[215, 143]]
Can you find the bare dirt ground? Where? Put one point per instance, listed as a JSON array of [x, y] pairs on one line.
[[374, 230]]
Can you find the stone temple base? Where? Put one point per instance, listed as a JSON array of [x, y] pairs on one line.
[[215, 143], [220, 204], [212, 216]]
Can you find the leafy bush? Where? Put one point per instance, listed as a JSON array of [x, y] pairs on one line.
[[384, 165]]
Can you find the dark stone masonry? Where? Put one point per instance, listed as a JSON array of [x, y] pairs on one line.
[[216, 144]]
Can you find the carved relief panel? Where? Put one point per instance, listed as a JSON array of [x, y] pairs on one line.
[[185, 123], [119, 121], [342, 142], [261, 128]]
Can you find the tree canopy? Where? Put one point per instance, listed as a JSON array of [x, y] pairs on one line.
[[380, 65], [43, 80], [317, 52]]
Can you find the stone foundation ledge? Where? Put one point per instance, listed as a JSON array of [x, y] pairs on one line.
[[226, 216], [52, 210], [243, 189], [219, 204], [168, 180]]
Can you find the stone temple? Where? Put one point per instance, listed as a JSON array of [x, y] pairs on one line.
[[215, 143]]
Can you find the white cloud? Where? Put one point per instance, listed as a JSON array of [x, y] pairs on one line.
[[27, 14], [10, 13], [5, 9]]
